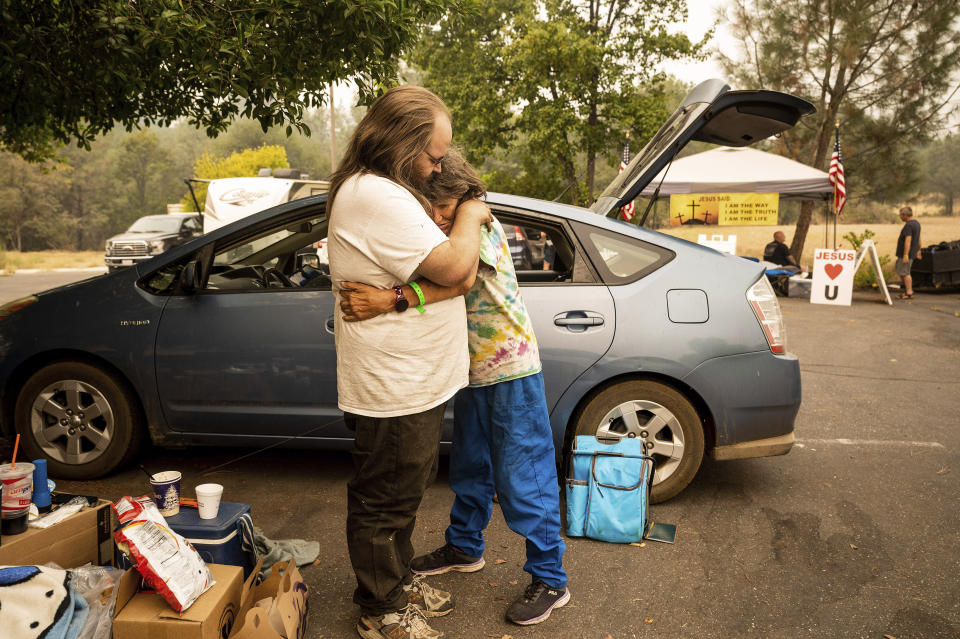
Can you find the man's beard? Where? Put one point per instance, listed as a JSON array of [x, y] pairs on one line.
[[419, 182]]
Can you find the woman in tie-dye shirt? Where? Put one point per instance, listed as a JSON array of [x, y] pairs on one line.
[[502, 441]]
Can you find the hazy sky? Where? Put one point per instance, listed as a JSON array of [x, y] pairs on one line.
[[702, 15]]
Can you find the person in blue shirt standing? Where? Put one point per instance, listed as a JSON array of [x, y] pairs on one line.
[[908, 247]]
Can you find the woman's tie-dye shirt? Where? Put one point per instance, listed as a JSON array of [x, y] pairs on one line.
[[500, 333]]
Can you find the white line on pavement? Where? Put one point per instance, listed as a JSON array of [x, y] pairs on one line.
[[869, 442], [34, 271]]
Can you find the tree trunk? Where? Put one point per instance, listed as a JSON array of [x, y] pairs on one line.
[[591, 154], [591, 167], [806, 209], [570, 173], [949, 204], [803, 225]]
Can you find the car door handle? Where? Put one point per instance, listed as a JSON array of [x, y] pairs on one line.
[[578, 321], [330, 324]]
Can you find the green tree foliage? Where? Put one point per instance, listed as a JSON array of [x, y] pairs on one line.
[[558, 80], [141, 165], [30, 217], [880, 67], [71, 71], [942, 160], [865, 276], [247, 162]]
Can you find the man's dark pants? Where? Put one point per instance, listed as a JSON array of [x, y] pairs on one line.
[[394, 460]]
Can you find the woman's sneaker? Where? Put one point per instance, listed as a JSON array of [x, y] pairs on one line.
[[536, 603], [444, 559], [431, 601], [406, 623]]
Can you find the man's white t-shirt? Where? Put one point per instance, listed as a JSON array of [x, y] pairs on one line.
[[395, 363]]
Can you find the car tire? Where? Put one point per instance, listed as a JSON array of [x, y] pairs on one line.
[[83, 420], [677, 442]]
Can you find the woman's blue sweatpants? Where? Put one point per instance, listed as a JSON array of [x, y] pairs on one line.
[[502, 443]]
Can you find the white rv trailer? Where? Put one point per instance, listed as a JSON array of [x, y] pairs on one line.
[[231, 199]]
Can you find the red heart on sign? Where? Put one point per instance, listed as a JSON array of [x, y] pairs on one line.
[[833, 270]]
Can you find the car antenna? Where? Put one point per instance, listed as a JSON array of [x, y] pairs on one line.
[[656, 192]]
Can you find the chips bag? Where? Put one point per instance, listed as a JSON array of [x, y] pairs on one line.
[[167, 562]]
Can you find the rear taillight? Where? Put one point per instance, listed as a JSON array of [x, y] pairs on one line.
[[765, 306], [12, 307]]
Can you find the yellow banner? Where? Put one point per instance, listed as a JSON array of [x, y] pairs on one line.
[[731, 209]]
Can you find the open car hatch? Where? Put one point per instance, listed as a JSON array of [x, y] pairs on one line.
[[712, 113]]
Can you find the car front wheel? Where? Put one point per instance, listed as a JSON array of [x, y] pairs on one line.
[[658, 415], [80, 418]]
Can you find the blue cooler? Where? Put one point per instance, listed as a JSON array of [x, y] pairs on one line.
[[228, 539]]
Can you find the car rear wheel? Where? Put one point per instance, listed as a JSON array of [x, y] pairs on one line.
[[662, 418], [80, 418]]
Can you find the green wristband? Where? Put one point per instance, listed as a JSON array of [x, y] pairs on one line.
[[416, 289]]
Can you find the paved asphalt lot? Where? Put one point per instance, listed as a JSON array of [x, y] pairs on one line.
[[853, 534]]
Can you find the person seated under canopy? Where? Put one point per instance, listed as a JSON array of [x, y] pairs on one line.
[[777, 252]]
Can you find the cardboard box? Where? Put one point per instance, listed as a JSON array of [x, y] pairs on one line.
[[145, 615], [275, 608], [85, 537]]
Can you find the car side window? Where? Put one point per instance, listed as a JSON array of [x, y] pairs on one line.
[[277, 258], [621, 259], [542, 252]]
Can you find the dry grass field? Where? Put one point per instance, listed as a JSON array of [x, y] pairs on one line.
[[752, 239], [12, 261]]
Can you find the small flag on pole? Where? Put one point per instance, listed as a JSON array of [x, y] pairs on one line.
[[835, 175], [626, 211]]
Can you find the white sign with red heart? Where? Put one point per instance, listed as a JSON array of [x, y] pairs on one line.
[[832, 277]]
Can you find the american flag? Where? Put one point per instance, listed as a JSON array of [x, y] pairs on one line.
[[836, 177], [627, 210]]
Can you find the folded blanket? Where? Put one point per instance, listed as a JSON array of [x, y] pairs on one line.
[[36, 601]]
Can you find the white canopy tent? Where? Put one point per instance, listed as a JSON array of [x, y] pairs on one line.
[[742, 170]]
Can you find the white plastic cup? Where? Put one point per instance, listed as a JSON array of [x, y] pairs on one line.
[[208, 500]]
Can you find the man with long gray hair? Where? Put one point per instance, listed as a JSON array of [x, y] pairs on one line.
[[396, 372]]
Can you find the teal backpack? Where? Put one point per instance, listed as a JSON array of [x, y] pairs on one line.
[[608, 489]]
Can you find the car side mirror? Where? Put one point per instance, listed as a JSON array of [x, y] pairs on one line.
[[186, 233], [308, 259], [190, 277]]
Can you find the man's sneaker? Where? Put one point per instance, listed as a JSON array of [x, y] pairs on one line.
[[444, 559], [406, 623], [536, 603], [431, 601]]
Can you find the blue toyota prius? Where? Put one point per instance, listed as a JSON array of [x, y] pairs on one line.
[[228, 339]]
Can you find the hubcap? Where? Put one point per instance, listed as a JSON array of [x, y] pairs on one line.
[[654, 425], [72, 421]]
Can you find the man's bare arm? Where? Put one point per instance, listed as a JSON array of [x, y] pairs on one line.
[[450, 263], [361, 301]]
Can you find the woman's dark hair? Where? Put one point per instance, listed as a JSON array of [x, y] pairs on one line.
[[396, 129], [457, 180]]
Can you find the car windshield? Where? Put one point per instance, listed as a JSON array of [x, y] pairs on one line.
[[155, 224]]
